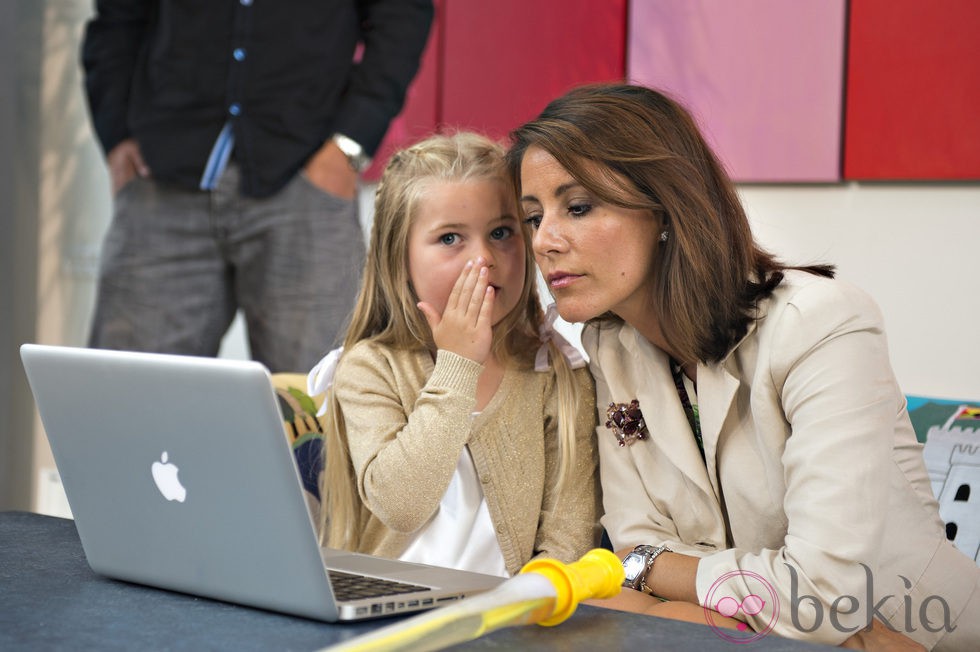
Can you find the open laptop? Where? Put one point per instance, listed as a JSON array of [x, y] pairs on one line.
[[179, 476]]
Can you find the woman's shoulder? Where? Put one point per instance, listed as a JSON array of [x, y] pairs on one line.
[[806, 309], [816, 296]]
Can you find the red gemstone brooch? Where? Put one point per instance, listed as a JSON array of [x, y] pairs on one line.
[[626, 422]]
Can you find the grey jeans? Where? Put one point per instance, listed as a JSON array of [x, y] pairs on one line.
[[176, 266]]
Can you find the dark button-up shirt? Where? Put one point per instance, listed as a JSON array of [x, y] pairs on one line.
[[171, 73]]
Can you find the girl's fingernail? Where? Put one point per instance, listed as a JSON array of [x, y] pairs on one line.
[[469, 263]]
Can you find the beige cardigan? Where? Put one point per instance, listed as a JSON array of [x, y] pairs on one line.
[[812, 466], [407, 420]]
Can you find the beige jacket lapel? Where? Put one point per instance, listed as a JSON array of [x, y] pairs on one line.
[[716, 395], [645, 370], [718, 386]]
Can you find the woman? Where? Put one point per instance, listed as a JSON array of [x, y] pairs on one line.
[[756, 444]]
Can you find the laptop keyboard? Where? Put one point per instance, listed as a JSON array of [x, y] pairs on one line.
[[357, 587]]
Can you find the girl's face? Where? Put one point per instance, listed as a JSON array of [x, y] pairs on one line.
[[456, 222], [595, 257]]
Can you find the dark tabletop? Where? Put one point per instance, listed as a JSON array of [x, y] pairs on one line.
[[51, 600]]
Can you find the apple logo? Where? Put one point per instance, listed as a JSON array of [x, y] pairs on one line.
[[165, 477]]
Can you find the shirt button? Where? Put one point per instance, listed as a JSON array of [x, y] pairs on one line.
[[239, 54], [235, 108]]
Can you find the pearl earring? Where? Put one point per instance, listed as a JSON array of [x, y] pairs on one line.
[[663, 236]]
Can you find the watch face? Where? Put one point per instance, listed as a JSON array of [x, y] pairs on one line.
[[633, 565]]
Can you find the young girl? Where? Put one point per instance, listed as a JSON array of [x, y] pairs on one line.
[[446, 443]]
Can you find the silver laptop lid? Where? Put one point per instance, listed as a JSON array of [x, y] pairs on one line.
[[178, 475]]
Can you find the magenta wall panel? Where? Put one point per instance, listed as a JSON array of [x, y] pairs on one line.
[[763, 77]]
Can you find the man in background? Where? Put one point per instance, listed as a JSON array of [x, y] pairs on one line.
[[234, 132]]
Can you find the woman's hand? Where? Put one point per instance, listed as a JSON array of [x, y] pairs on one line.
[[881, 638], [465, 326]]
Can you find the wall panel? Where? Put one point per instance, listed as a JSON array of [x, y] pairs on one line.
[[505, 60], [913, 95], [764, 78]]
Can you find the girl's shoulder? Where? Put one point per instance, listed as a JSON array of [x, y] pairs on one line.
[[374, 358]]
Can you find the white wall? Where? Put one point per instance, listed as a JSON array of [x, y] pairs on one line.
[[914, 247]]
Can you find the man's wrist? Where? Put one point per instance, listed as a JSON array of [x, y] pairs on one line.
[[356, 156]]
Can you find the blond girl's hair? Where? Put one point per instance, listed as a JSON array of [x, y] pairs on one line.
[[386, 310]]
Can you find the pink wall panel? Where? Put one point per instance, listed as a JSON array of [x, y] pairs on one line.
[[504, 60], [763, 77], [913, 99]]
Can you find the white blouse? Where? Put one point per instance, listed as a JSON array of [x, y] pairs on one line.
[[460, 534]]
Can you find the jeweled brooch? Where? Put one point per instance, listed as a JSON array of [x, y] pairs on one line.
[[626, 422]]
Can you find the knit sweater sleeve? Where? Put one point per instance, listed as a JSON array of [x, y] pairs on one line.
[[404, 443]]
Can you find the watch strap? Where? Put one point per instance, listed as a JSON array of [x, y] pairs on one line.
[[649, 555], [656, 552], [355, 154]]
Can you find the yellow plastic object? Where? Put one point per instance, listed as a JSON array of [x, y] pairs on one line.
[[598, 574], [546, 592]]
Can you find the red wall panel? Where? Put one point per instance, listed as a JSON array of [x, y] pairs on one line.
[[504, 60], [913, 90]]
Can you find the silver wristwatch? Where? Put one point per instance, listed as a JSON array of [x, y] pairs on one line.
[[638, 563], [354, 152]]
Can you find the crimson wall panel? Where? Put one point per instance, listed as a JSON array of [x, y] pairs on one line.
[[504, 60], [913, 91]]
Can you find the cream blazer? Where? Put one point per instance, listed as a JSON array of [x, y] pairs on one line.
[[812, 469]]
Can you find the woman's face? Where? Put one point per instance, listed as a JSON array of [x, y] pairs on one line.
[[595, 257]]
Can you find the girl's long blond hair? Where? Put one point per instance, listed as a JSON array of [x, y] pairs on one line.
[[386, 311]]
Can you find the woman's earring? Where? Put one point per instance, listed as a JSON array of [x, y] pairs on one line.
[[663, 236]]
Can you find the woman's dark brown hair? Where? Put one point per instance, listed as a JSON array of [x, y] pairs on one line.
[[636, 148]]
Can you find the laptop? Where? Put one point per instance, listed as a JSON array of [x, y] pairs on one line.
[[179, 476]]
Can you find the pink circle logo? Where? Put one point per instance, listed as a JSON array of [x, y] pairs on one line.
[[761, 602]]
